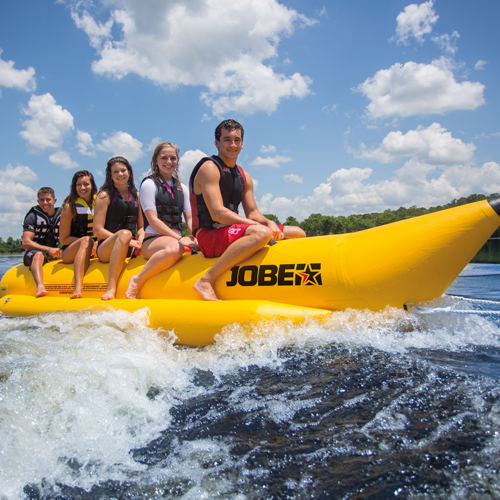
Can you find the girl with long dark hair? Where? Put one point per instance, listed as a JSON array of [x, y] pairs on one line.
[[76, 226], [118, 220]]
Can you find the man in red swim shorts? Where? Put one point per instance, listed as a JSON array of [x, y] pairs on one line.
[[217, 187]]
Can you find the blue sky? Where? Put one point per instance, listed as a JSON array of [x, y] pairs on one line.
[[349, 106]]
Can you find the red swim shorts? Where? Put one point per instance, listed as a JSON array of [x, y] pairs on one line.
[[214, 242]]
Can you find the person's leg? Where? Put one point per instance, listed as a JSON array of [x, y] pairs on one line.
[[78, 252], [255, 238], [292, 232], [162, 252], [114, 250], [37, 271]]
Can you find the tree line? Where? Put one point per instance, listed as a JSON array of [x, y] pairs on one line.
[[318, 225], [11, 246]]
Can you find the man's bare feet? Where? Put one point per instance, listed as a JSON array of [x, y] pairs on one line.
[[132, 290], [205, 289], [41, 292], [108, 296], [76, 295]]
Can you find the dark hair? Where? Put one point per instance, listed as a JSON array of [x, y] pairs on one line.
[[109, 185], [45, 190], [228, 125], [73, 195]]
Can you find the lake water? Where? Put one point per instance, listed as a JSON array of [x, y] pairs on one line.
[[381, 405]]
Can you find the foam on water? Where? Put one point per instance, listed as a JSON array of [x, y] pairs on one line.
[[80, 391]]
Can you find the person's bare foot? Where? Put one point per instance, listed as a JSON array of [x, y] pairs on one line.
[[132, 290], [76, 295], [108, 296], [41, 292], [205, 289]]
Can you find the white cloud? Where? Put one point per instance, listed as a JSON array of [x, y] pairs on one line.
[[348, 191], [122, 144], [85, 143], [433, 145], [415, 21], [175, 43], [293, 178], [48, 122], [16, 198], [187, 162], [419, 89], [21, 79], [153, 143], [19, 173], [447, 43], [269, 161], [98, 33], [62, 159], [480, 64], [330, 109], [268, 149]]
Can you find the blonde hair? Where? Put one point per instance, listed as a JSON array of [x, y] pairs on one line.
[[155, 171]]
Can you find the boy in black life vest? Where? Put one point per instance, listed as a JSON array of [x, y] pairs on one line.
[[217, 187], [41, 236]]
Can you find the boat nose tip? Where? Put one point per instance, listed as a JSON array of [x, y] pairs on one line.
[[495, 205]]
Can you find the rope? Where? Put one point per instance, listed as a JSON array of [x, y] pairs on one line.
[[479, 301]]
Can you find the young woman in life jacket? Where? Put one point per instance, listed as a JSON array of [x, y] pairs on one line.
[[76, 227], [163, 201], [117, 220]]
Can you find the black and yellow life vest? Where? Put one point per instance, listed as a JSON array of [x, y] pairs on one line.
[[83, 223]]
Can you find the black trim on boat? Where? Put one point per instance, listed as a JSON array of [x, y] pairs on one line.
[[495, 205]]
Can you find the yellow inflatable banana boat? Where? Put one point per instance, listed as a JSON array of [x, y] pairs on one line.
[[414, 260]]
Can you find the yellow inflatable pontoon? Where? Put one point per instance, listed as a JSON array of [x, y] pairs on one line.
[[413, 261]]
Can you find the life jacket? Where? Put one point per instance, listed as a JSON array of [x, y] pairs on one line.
[[83, 223], [46, 227], [169, 202], [232, 188], [122, 214]]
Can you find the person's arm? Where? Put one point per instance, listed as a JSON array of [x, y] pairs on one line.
[[140, 224], [253, 213], [159, 226], [207, 182], [189, 220], [28, 243], [100, 210], [65, 226]]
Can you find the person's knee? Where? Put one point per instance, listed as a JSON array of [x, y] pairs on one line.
[[37, 259], [124, 235], [262, 234]]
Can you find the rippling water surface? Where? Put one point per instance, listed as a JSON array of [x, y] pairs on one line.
[[371, 405]]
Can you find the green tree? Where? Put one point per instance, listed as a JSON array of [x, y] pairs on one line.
[[291, 221], [272, 217]]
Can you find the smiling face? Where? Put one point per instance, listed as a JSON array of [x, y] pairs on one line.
[[47, 203], [84, 188], [119, 174], [229, 145], [167, 162]]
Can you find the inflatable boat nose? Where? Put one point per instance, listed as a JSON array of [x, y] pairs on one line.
[[495, 205]]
